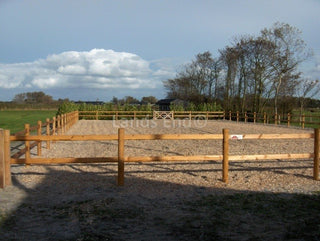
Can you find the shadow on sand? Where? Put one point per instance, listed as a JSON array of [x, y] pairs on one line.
[[99, 210]]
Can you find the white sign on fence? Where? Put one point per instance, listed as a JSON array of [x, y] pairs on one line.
[[236, 137]]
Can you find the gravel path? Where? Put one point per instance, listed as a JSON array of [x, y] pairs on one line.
[[160, 201]]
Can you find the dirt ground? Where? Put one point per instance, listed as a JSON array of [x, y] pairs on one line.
[[264, 200]]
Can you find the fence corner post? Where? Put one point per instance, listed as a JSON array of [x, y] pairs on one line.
[[2, 160], [316, 155], [225, 163], [120, 156], [5, 173], [7, 157]]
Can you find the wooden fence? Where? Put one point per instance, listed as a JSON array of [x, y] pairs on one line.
[[56, 126], [121, 138], [117, 115], [288, 119]]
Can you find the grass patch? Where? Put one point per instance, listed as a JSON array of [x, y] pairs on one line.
[[14, 120]]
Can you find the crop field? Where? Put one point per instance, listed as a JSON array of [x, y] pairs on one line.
[[14, 120]]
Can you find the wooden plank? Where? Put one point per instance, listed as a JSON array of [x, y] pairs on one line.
[[173, 158], [120, 156], [316, 155], [278, 136], [174, 137], [115, 159], [157, 137], [64, 160], [65, 138], [115, 137], [271, 157], [23, 151]]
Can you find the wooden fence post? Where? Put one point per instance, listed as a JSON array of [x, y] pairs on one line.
[[2, 160], [245, 117], [48, 132], [58, 125], [303, 120], [64, 123], [27, 143], [7, 157], [5, 173], [54, 122], [120, 156], [225, 163], [289, 119], [39, 134], [264, 118], [254, 117], [316, 155], [237, 116], [61, 124], [67, 121]]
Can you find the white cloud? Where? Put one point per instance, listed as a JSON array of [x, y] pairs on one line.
[[97, 69], [72, 69]]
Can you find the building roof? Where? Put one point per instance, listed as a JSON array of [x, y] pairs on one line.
[[165, 101]]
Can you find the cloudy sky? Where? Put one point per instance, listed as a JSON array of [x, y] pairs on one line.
[[97, 49]]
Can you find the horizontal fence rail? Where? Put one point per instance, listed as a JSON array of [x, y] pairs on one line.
[[121, 138]]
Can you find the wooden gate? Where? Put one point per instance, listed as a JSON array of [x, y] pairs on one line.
[[163, 115]]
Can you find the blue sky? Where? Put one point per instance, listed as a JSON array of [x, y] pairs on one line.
[[97, 49]]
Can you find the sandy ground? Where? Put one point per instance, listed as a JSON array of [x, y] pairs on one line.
[[82, 202]]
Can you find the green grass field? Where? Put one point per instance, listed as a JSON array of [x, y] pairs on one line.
[[312, 119], [14, 120]]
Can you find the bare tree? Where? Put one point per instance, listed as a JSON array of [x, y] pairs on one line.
[[229, 58], [195, 82], [306, 88], [288, 52]]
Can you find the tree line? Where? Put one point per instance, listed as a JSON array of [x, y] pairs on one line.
[[251, 74], [40, 100], [41, 97]]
